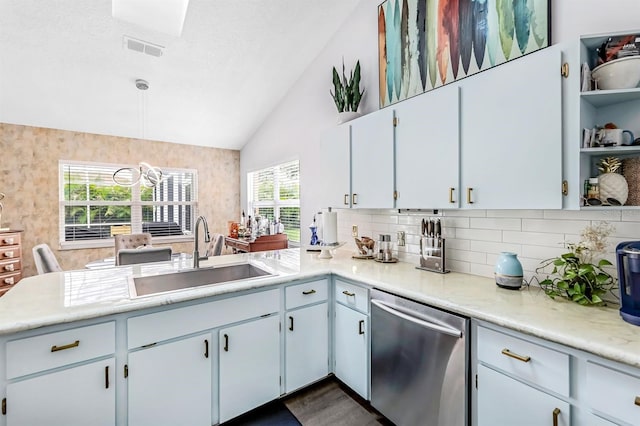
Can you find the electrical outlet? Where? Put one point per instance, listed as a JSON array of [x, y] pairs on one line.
[[354, 230], [401, 239]]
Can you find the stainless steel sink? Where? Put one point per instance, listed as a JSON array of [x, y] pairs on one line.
[[195, 278]]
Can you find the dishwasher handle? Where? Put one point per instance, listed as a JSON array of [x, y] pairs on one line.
[[450, 331]]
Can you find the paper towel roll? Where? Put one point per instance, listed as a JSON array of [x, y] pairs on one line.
[[329, 227]]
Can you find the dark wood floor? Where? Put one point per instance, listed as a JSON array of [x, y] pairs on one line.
[[331, 403]]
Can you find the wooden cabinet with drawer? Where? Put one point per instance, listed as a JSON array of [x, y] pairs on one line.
[[10, 259]]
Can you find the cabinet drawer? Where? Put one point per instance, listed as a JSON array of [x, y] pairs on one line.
[[12, 239], [9, 252], [353, 296], [10, 278], [39, 353], [160, 326], [305, 294], [613, 392], [10, 265], [526, 360]]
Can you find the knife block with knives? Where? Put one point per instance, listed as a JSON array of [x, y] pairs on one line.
[[432, 250]]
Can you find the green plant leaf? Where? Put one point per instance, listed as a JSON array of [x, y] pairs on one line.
[[604, 262], [559, 262], [585, 269]]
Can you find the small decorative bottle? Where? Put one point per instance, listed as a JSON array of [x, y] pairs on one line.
[[508, 271], [314, 236]]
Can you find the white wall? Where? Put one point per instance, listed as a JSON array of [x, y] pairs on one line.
[[294, 128]]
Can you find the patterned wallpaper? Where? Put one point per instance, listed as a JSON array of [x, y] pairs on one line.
[[29, 178]]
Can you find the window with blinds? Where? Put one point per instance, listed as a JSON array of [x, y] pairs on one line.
[[94, 208], [274, 192]]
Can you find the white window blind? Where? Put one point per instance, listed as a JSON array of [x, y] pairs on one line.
[[274, 192], [93, 207]]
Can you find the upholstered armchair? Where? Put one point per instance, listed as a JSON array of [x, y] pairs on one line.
[[130, 241]]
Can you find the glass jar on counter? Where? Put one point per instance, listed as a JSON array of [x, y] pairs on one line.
[[593, 191]]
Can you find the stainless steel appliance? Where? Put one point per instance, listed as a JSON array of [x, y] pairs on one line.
[[628, 259], [432, 249], [419, 363]]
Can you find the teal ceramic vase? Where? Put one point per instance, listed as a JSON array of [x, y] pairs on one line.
[[508, 271]]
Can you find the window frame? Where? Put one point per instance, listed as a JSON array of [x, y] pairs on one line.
[[136, 202], [276, 203]]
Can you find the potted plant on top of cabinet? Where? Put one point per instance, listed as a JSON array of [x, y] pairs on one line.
[[346, 93]]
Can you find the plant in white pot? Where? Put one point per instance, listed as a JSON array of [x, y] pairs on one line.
[[346, 93]]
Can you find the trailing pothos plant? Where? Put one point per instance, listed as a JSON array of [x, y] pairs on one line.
[[576, 276], [347, 94]]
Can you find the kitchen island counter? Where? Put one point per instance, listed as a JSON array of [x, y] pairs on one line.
[[77, 295]]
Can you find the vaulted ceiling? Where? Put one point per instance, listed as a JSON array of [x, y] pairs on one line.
[[64, 65]]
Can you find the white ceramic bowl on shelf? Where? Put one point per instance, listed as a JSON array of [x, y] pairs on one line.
[[622, 73]]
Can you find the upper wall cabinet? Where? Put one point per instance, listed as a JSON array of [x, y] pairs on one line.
[[335, 157], [372, 161], [427, 150], [511, 134]]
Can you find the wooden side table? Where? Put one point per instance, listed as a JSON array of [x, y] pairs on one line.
[[10, 259], [262, 243]]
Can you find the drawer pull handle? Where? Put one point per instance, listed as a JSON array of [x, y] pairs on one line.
[[556, 413], [9, 280], [348, 293], [206, 348], [451, 200], [63, 347], [8, 254], [361, 327], [354, 199], [346, 199], [309, 291], [106, 377], [290, 323], [226, 343], [10, 267], [9, 241], [637, 401], [469, 195], [523, 358]]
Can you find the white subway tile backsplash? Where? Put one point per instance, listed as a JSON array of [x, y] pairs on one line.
[[468, 256], [629, 230], [607, 215], [532, 238], [479, 234], [492, 247], [458, 266], [482, 270], [520, 214], [554, 226], [540, 252], [454, 243], [465, 213], [496, 223], [455, 222]]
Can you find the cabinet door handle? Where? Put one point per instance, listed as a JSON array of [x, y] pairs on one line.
[[556, 413], [348, 293], [8, 241], [523, 358], [10, 267], [206, 348], [63, 347], [290, 323], [309, 291], [361, 327], [226, 343], [451, 200], [469, 201], [8, 254], [106, 377], [354, 199], [637, 401], [9, 281], [346, 199]]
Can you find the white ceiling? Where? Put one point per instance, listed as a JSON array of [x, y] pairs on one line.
[[63, 65]]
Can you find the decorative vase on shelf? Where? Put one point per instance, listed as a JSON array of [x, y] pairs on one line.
[[508, 271], [611, 184]]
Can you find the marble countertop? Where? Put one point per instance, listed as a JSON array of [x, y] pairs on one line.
[[76, 295]]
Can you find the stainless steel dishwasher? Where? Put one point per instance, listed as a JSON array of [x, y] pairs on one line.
[[419, 363]]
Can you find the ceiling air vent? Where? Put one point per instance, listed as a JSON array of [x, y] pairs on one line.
[[142, 46]]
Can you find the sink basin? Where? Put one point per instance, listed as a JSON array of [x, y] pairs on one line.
[[152, 284]]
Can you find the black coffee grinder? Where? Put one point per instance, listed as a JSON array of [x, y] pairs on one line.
[[628, 259]]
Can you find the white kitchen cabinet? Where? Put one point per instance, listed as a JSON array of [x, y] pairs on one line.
[[351, 349], [170, 384], [372, 160], [511, 134], [335, 166], [77, 396], [427, 147], [306, 346], [614, 392], [503, 400], [249, 356]]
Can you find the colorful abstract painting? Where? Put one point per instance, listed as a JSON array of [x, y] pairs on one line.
[[425, 44]]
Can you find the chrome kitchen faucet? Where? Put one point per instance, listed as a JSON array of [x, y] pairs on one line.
[[196, 254]]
